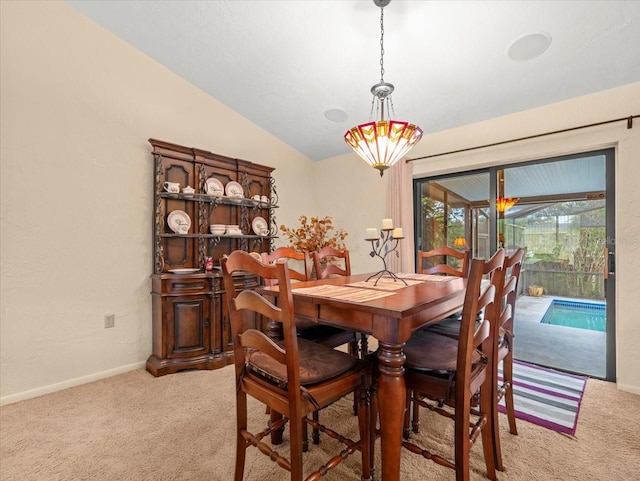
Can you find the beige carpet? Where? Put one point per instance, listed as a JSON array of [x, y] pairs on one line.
[[181, 427]]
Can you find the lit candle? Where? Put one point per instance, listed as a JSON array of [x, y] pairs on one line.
[[387, 224], [372, 233], [397, 233]]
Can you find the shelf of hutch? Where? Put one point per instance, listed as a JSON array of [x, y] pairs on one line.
[[191, 327]]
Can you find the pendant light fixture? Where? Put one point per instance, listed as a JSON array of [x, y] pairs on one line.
[[383, 142], [503, 204]]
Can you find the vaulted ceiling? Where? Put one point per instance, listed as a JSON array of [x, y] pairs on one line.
[[286, 65]]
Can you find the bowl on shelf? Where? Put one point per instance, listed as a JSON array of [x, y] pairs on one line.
[[217, 229], [233, 230]]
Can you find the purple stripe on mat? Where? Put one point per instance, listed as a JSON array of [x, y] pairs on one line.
[[547, 424], [529, 382]]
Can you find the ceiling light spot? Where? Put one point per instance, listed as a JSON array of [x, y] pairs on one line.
[[529, 46], [336, 115]]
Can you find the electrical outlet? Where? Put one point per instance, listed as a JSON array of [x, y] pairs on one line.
[[109, 320]]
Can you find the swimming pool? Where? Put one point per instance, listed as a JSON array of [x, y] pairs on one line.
[[582, 315]]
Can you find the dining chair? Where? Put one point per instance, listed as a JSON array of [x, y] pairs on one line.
[[442, 371], [299, 268], [439, 264], [293, 376], [503, 349], [320, 333]]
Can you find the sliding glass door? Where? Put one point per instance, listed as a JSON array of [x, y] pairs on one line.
[[454, 208], [557, 210]]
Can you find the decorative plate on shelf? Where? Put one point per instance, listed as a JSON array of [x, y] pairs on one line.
[[260, 226], [183, 271], [213, 186], [234, 189], [179, 221]]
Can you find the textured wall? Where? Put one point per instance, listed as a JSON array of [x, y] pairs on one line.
[[78, 106]]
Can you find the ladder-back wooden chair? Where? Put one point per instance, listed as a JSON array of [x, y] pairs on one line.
[[299, 264], [294, 377], [442, 371], [503, 348], [322, 334], [438, 264]]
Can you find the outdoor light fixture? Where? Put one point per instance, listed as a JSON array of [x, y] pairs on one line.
[[503, 204], [383, 142], [460, 243]]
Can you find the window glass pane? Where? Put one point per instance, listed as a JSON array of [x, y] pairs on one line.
[[453, 208]]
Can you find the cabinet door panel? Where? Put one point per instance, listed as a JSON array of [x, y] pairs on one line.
[[188, 326]]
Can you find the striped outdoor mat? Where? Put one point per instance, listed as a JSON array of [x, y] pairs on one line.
[[546, 397]]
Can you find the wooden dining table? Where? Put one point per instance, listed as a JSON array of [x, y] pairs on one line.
[[389, 311]]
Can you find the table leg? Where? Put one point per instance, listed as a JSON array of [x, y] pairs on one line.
[[391, 401]]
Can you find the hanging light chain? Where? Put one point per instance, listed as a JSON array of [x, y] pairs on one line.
[[381, 44], [391, 112], [382, 143]]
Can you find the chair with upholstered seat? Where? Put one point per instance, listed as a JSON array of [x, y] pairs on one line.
[[294, 377], [503, 349], [299, 268], [322, 334], [439, 264], [442, 371]]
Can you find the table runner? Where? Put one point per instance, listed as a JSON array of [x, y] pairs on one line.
[[385, 284], [345, 293], [426, 277]]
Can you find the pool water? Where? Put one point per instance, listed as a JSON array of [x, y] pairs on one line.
[[582, 315]]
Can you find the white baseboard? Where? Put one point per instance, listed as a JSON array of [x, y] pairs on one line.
[[69, 383], [628, 388]]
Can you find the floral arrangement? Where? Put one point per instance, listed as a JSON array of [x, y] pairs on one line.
[[314, 234]]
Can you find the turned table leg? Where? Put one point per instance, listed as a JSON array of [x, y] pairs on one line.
[[391, 402]]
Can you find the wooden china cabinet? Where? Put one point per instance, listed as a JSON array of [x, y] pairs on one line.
[[191, 328]]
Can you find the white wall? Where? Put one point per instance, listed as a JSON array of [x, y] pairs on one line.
[[77, 108], [611, 104], [353, 194]]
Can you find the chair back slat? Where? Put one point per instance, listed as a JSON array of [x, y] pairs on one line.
[[254, 339]]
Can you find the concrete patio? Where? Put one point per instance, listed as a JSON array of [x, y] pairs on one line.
[[570, 349]]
